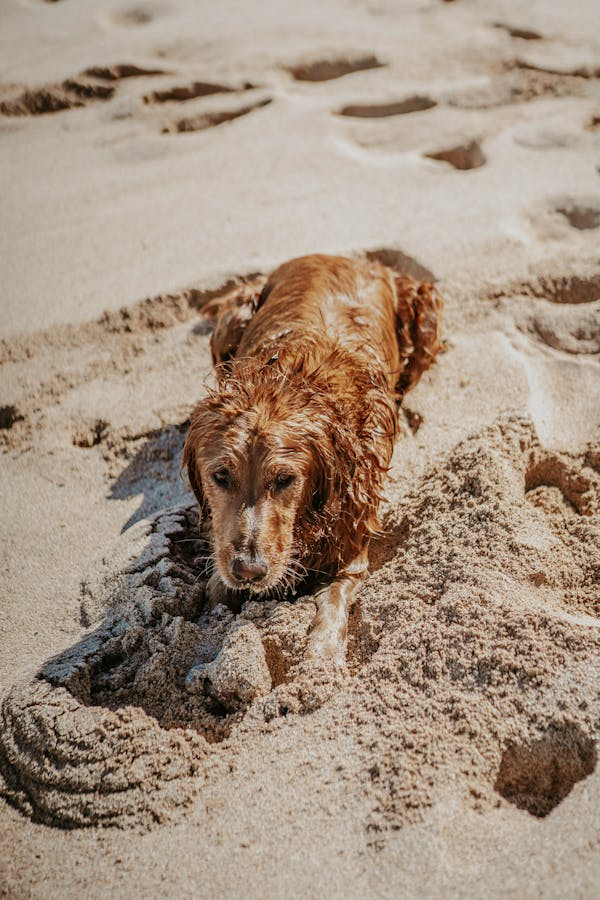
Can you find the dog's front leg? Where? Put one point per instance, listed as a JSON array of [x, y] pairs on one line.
[[329, 631]]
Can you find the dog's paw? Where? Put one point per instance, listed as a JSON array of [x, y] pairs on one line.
[[326, 656]]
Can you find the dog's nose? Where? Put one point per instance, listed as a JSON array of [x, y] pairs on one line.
[[248, 570]]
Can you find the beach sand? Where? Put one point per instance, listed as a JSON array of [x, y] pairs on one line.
[[150, 154]]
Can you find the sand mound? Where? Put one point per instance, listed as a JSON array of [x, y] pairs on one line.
[[474, 657], [487, 597]]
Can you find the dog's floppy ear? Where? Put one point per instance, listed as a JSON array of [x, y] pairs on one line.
[[330, 503], [319, 490], [418, 322], [347, 477], [232, 312], [189, 462]]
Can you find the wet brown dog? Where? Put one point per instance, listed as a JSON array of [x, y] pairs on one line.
[[288, 455]]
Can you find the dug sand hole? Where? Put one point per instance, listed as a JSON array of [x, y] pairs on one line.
[[539, 775]]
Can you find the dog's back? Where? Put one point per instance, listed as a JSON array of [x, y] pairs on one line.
[[317, 304], [329, 300]]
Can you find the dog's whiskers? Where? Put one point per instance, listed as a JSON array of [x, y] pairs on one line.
[[308, 570], [207, 569], [189, 540]]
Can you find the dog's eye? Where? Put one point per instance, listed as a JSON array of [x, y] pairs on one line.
[[222, 478], [283, 480]]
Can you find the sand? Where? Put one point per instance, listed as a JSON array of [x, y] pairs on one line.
[[151, 154]]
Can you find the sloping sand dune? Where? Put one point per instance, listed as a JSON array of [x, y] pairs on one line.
[[151, 153]]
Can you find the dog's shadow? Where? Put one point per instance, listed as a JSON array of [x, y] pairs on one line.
[[153, 472]]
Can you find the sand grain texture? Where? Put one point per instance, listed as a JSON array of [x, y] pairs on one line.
[[151, 157]]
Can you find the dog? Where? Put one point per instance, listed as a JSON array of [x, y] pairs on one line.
[[287, 457]]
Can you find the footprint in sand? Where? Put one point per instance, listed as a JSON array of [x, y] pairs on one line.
[[523, 34], [121, 70], [463, 157], [206, 120], [584, 216], [94, 84], [564, 491], [192, 91], [557, 339], [520, 82], [556, 484], [375, 127], [416, 103], [565, 315], [562, 289], [328, 69], [564, 216], [73, 92], [573, 331]]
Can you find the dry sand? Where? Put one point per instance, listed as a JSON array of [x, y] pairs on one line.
[[149, 154]]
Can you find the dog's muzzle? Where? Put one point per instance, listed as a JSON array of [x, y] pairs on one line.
[[247, 570]]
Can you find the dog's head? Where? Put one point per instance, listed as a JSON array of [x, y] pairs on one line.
[[280, 474], [289, 479], [250, 460]]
